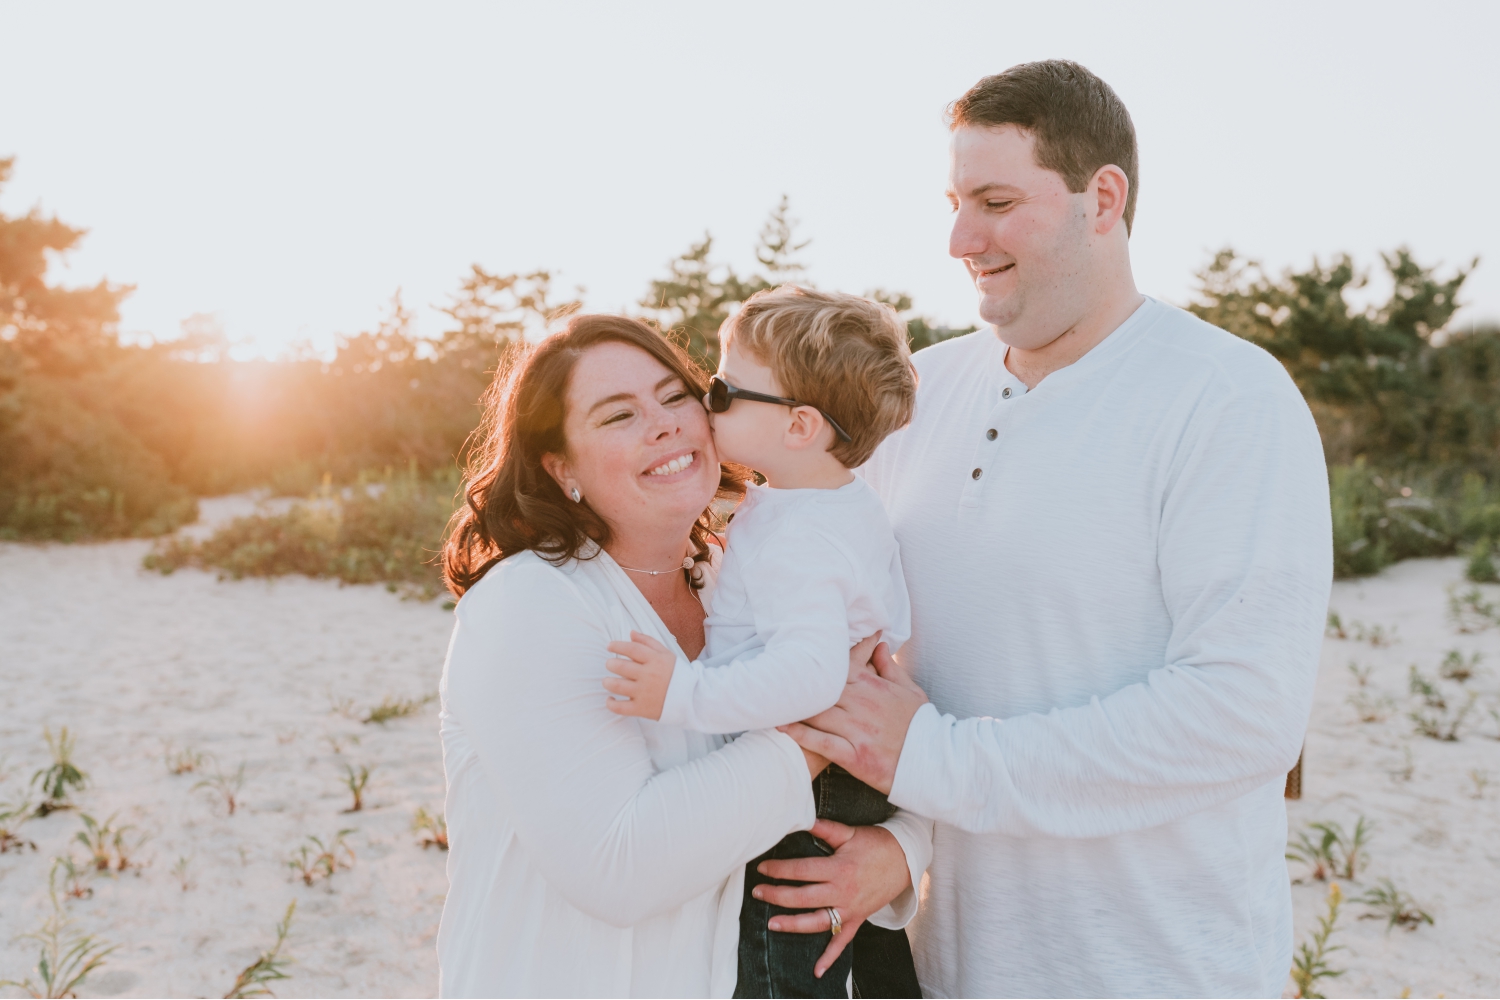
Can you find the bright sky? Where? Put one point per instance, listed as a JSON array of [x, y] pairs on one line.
[[287, 166]]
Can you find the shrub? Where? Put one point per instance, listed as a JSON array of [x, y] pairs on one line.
[[386, 529]]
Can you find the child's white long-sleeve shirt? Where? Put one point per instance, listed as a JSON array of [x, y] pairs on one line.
[[807, 574]]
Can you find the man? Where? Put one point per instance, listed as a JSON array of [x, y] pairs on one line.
[[1115, 529]]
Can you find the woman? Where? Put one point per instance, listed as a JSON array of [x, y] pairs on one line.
[[595, 854]]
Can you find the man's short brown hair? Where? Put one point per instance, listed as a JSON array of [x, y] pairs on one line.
[[845, 355], [1078, 122]]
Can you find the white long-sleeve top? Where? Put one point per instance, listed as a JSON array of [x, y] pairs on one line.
[[1119, 582], [808, 573], [594, 854]]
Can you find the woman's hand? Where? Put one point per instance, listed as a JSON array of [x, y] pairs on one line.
[[867, 870]]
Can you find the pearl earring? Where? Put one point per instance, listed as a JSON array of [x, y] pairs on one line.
[[577, 497]]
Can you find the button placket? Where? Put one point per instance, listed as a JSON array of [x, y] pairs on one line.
[[986, 450]]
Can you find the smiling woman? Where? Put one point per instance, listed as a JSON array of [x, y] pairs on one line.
[[535, 450], [594, 854]]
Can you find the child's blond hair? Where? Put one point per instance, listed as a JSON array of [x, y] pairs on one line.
[[844, 354]]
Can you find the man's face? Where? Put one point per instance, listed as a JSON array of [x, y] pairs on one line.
[[1023, 236]]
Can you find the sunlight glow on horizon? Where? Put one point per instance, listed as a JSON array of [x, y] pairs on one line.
[[287, 168]]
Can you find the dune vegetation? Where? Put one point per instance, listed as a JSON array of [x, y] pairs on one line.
[[100, 438]]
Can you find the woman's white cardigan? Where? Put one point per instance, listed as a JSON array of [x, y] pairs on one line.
[[595, 854]]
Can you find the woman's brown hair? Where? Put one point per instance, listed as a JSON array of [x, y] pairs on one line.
[[511, 503]]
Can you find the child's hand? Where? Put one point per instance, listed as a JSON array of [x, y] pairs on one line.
[[645, 668]]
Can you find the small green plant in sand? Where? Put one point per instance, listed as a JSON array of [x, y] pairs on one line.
[[1423, 688], [396, 708], [1310, 964], [1361, 673], [62, 775], [182, 871], [356, 781], [1481, 780], [1331, 852], [1396, 907], [227, 785], [109, 849], [1371, 708], [1376, 635], [1435, 719], [1438, 723], [12, 815], [1457, 667], [75, 877], [1317, 852], [1469, 612], [185, 761], [434, 829], [66, 959], [268, 968], [316, 860]]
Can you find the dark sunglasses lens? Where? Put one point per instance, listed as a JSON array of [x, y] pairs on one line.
[[718, 395]]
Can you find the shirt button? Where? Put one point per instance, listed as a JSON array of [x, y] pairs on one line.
[[991, 434], [977, 473], [1005, 393]]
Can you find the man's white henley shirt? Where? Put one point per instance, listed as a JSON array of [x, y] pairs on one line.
[[1118, 582]]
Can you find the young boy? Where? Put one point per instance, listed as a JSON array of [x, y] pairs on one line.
[[809, 384]]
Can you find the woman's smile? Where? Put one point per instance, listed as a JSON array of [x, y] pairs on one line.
[[674, 466]]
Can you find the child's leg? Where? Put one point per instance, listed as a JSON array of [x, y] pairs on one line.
[[775, 963], [883, 965]]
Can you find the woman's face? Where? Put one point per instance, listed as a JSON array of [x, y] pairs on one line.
[[638, 445]]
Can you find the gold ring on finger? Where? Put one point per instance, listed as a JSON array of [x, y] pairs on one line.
[[835, 922]]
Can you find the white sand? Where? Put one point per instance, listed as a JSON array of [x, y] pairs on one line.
[[1432, 838], [247, 671]]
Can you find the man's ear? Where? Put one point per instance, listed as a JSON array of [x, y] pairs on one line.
[[1111, 190], [807, 429], [557, 468]]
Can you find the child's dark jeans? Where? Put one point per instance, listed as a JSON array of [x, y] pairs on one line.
[[778, 964]]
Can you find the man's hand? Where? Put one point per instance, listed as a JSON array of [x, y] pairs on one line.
[[645, 669], [867, 870], [865, 731]]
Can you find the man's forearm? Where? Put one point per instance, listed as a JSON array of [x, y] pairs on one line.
[[1148, 754]]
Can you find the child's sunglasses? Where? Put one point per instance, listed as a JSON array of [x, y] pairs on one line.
[[721, 394]]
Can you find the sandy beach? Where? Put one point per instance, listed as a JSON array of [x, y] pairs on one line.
[[135, 663], [1432, 836], [276, 675]]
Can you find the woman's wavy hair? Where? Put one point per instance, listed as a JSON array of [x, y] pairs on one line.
[[511, 503]]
